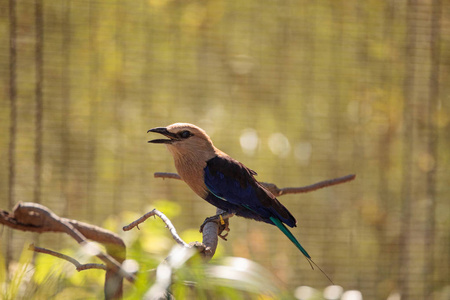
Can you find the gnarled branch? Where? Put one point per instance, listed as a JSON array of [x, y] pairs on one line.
[[34, 217]]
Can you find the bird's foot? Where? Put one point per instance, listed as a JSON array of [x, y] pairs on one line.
[[223, 226], [222, 221]]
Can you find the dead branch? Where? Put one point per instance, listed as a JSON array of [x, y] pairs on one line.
[[38, 218]]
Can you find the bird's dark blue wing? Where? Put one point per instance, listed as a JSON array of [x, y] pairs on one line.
[[233, 182]]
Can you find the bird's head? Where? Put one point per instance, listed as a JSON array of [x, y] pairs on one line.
[[183, 139]]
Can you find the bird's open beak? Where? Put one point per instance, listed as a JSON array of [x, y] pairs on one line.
[[162, 130]]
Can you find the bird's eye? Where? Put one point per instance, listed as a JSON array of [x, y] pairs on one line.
[[185, 134]]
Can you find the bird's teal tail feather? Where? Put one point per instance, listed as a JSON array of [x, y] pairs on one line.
[[286, 231]]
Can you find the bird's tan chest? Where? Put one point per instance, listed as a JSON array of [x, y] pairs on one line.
[[192, 174]]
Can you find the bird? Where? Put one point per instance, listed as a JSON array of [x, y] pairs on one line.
[[223, 181]]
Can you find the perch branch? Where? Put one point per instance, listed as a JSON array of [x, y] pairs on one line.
[[210, 232]]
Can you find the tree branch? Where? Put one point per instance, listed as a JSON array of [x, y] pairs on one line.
[[163, 217], [305, 189]]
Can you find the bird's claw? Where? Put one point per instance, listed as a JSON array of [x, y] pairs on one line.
[[221, 221], [223, 236]]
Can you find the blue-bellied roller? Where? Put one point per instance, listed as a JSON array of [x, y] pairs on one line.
[[223, 181]]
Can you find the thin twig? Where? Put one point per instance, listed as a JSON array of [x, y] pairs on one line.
[[211, 231], [167, 175], [309, 188], [79, 266], [163, 217]]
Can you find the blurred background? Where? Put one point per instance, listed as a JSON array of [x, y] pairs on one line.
[[300, 91]]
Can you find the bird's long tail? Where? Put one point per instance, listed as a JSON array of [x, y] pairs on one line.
[[290, 236]]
